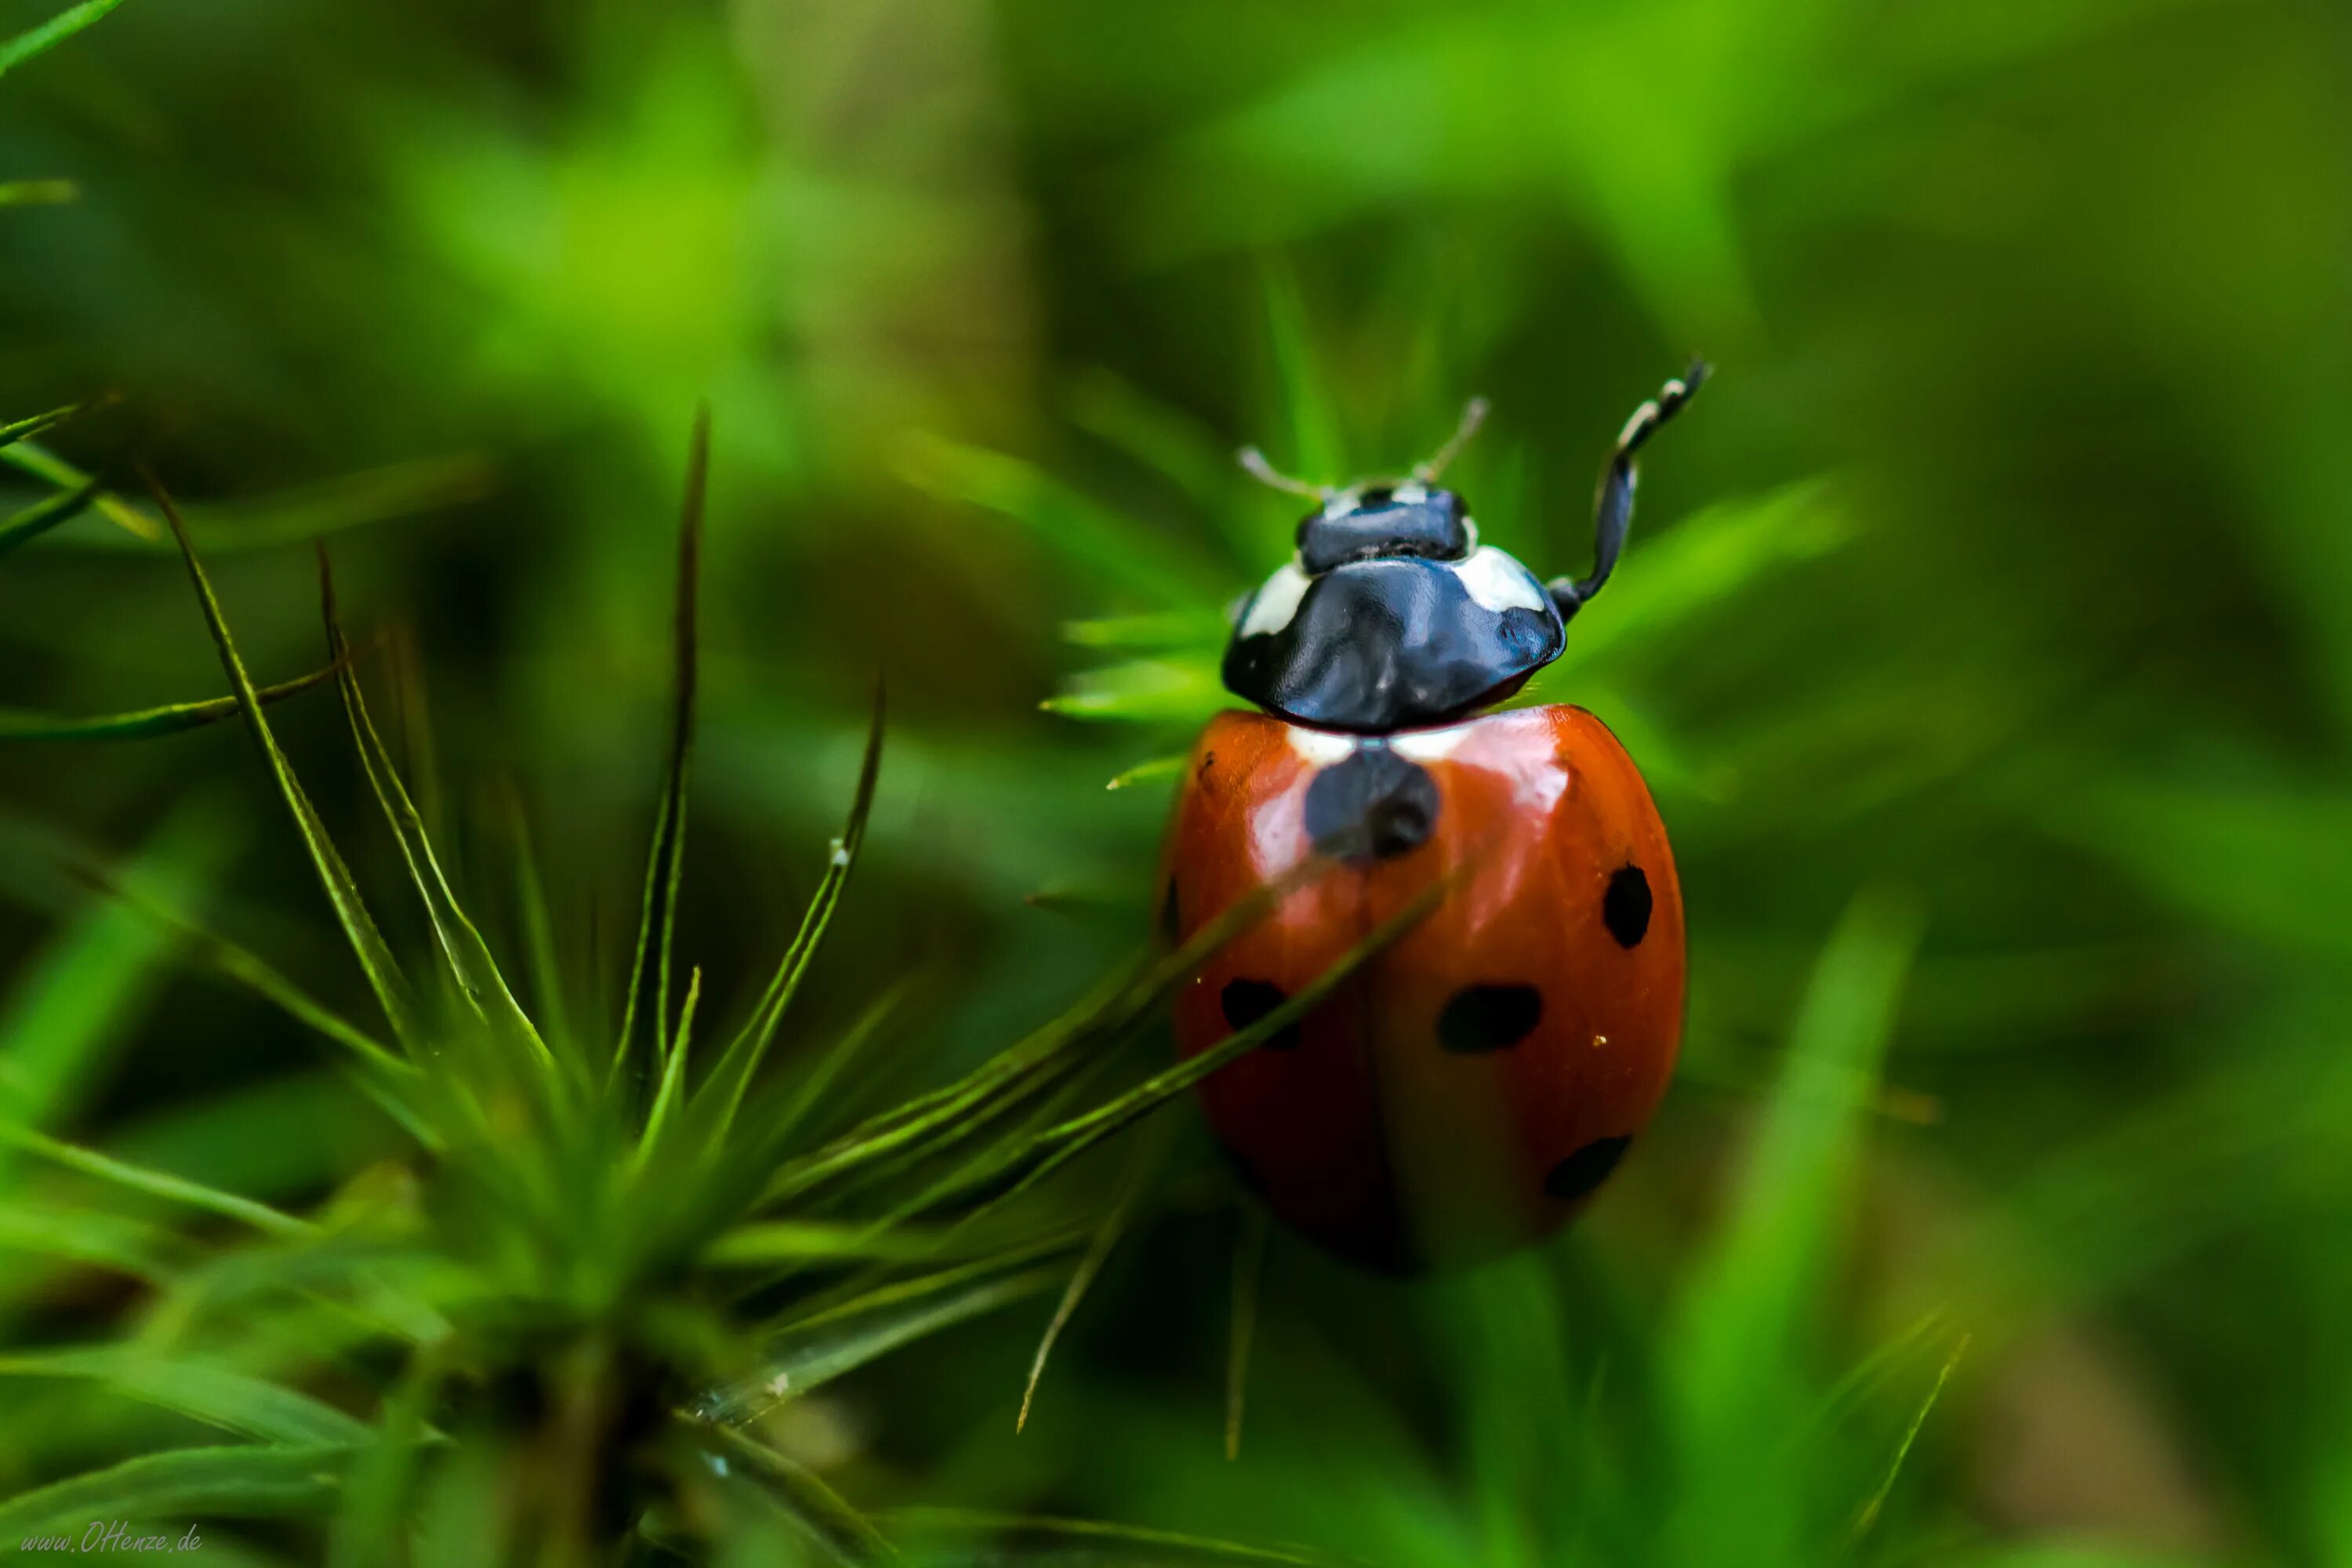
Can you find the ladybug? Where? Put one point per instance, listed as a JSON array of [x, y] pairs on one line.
[[1469, 1087]]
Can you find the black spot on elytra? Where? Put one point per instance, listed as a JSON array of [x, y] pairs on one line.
[[1247, 1001], [1489, 1017], [1208, 761], [1625, 907], [1577, 1176], [1370, 804]]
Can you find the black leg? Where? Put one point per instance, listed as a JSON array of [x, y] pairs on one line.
[[1613, 510]]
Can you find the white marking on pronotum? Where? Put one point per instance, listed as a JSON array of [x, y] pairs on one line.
[[1428, 745], [1320, 747], [1277, 602], [1469, 535], [1499, 582], [1412, 493]]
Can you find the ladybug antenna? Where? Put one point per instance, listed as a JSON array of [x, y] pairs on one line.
[[1613, 507], [1253, 463], [1474, 414]]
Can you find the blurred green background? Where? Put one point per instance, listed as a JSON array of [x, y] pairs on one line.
[[1983, 634]]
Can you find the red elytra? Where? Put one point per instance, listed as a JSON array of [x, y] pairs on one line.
[[1468, 1088]]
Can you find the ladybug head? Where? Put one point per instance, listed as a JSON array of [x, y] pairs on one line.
[[1391, 615]]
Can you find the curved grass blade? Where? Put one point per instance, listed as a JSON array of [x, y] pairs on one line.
[[26, 430], [814, 1509], [48, 34], [1099, 1251], [90, 1237], [43, 464], [469, 956], [1002, 1176], [144, 723], [1877, 1503], [215, 1395], [1022, 1072], [368, 945], [155, 1184], [817, 1349], [658, 914], [229, 1480], [21, 528], [734, 1073]]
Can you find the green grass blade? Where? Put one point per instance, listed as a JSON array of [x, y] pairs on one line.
[[1019, 1074], [813, 1352], [1000, 1177], [1736, 1346], [550, 992], [144, 723], [1099, 1250], [816, 1509], [26, 430], [21, 528], [468, 957], [743, 1054], [155, 1184], [48, 34], [1249, 1266], [215, 1395], [657, 915], [43, 464], [1877, 1503], [92, 1238], [368, 946], [234, 1480]]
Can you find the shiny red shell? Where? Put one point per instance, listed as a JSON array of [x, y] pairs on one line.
[[1465, 1090]]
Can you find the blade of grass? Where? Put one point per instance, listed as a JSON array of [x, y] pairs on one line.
[[21, 528], [743, 1054], [155, 1184], [814, 1509], [43, 464], [467, 955], [547, 983], [144, 723], [1097, 1253], [817, 1350], [368, 945], [1045, 1152], [658, 914], [215, 1395], [48, 34], [26, 430], [1018, 1073], [230, 1480], [1877, 1503]]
